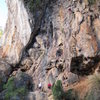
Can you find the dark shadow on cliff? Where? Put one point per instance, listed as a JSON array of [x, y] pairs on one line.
[[84, 66]]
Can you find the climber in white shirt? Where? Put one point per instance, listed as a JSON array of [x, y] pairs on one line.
[[40, 85]]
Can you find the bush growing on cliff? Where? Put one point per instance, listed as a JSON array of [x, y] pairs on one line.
[[12, 90], [57, 90], [33, 4], [91, 2], [60, 94], [10, 84]]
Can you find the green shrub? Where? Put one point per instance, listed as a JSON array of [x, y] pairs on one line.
[[34, 4], [57, 90], [91, 2], [12, 90], [15, 92], [71, 95], [10, 84], [38, 2]]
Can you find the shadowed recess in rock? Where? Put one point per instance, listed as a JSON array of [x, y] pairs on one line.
[[84, 66]]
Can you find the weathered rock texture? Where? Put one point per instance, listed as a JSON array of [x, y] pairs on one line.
[[18, 31], [52, 39]]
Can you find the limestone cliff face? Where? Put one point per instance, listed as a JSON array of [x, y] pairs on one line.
[[69, 24], [54, 39], [18, 31]]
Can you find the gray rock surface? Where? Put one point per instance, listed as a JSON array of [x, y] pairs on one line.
[[37, 95], [51, 40]]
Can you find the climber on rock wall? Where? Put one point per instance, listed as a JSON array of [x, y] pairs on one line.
[[49, 85]]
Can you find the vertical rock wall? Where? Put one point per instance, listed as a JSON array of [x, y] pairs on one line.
[[56, 38], [17, 31]]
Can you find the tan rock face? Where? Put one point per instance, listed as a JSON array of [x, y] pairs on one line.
[[17, 31], [97, 30], [78, 19], [86, 41]]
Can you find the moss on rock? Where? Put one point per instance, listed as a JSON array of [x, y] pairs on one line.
[[12, 91]]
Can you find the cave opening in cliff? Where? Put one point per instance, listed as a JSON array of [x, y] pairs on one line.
[[3, 16]]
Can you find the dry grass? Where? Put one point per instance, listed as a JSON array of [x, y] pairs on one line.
[[82, 88], [87, 87]]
